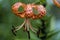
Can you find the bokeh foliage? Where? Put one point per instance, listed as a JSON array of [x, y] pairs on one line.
[[7, 19]]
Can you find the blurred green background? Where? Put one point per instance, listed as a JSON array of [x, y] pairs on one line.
[[7, 19]]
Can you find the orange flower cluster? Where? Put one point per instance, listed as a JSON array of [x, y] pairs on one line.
[[28, 10]]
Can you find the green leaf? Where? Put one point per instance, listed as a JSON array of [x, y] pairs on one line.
[[52, 34], [0, 7], [40, 2], [21, 9], [35, 11]]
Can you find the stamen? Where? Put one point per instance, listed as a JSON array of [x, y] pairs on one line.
[[14, 33], [19, 27], [28, 34]]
